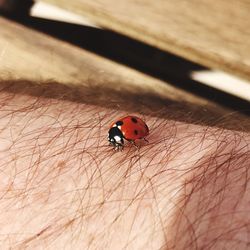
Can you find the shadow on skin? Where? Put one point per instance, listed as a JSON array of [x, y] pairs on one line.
[[144, 103]]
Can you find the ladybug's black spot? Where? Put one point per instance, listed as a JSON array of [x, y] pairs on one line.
[[119, 123], [134, 120], [136, 132]]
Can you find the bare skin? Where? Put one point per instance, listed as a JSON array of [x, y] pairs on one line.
[[64, 187]]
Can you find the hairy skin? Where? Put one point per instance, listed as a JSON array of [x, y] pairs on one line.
[[63, 187]]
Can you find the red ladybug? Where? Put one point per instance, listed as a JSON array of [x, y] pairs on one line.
[[129, 128]]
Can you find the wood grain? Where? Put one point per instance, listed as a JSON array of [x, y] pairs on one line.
[[213, 33], [27, 54], [34, 56]]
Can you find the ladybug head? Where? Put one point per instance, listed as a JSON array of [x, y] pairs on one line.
[[115, 137]]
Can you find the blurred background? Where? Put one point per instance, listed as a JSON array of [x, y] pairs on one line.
[[153, 57]]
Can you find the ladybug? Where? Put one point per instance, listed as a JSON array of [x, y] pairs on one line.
[[129, 128]]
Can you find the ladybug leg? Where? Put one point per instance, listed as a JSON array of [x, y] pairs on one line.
[[145, 140], [118, 147], [134, 144]]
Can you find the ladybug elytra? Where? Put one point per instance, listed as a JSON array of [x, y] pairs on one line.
[[129, 128]]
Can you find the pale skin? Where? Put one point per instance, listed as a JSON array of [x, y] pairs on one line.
[[64, 187]]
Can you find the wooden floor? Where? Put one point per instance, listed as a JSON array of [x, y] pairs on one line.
[[31, 55], [213, 33]]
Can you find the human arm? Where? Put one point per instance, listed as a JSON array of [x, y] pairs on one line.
[[64, 187]]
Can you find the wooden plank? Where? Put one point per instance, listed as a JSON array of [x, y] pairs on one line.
[[34, 56], [27, 54], [212, 33]]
